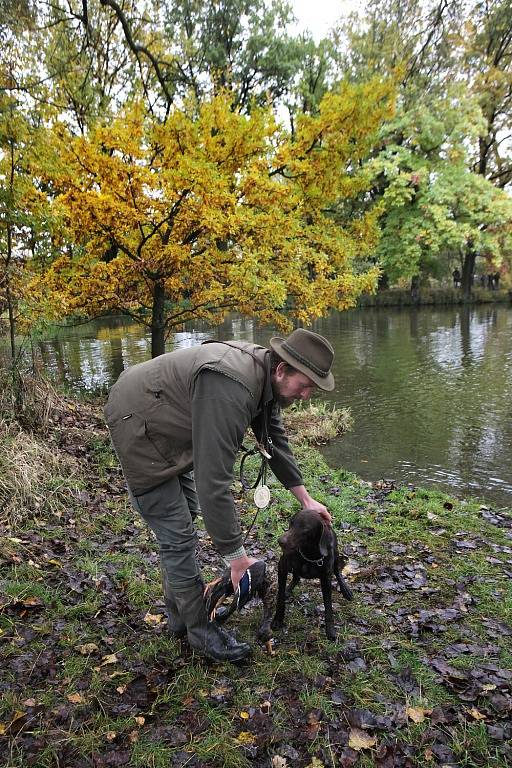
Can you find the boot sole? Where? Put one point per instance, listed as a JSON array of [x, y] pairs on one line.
[[239, 658]]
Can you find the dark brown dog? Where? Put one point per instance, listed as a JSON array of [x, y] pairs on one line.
[[310, 551]]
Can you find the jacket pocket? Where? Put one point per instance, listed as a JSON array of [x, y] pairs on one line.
[[160, 443], [140, 457]]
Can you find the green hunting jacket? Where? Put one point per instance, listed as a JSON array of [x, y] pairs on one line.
[[191, 409]]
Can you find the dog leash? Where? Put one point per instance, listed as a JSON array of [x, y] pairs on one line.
[[261, 479], [262, 472]]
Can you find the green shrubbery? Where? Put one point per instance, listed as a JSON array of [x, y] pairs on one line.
[[401, 297]]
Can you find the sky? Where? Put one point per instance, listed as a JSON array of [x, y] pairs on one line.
[[318, 16]]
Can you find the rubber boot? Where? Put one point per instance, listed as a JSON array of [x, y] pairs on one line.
[[205, 636], [177, 628]]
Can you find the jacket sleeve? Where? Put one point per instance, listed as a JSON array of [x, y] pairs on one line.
[[283, 462], [221, 413]]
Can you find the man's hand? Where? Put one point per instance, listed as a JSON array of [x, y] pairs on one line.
[[322, 511], [239, 567], [307, 502]]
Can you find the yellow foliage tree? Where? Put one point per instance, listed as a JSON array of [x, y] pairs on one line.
[[197, 216]]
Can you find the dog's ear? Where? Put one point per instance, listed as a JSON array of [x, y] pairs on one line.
[[325, 540]]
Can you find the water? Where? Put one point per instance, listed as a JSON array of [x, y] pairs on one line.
[[430, 389], [431, 393]]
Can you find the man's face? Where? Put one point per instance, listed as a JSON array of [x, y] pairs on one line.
[[289, 386]]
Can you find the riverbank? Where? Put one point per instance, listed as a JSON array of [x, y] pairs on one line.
[[396, 297], [419, 676]]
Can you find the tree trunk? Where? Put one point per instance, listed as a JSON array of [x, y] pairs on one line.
[[16, 379], [158, 320], [383, 283], [12, 325], [415, 289], [10, 307], [468, 270]]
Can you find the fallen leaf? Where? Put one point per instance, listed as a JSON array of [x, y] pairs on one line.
[[315, 763], [4, 727], [279, 762], [75, 698], [87, 648], [110, 658], [32, 602], [153, 618], [110, 735], [351, 567], [417, 714], [244, 715], [140, 720], [29, 703], [359, 739], [476, 714], [244, 737], [362, 718], [121, 688], [313, 719], [221, 691], [348, 758]]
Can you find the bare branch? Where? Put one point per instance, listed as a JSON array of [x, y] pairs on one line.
[[137, 48]]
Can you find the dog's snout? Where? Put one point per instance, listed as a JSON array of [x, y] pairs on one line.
[[283, 541]]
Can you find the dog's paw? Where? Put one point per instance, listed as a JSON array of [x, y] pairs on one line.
[[331, 633], [264, 632]]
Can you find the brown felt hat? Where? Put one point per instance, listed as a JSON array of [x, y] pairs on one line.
[[309, 353]]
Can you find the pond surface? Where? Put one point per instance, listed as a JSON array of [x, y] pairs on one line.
[[430, 389]]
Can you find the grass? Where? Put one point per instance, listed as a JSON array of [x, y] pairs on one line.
[[87, 682], [24, 461], [316, 422]]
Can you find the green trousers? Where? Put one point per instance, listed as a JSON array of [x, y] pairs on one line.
[[169, 510]]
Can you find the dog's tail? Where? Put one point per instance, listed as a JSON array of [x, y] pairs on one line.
[[345, 589]]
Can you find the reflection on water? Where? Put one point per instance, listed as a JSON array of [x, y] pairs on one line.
[[431, 394], [430, 389], [91, 356]]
